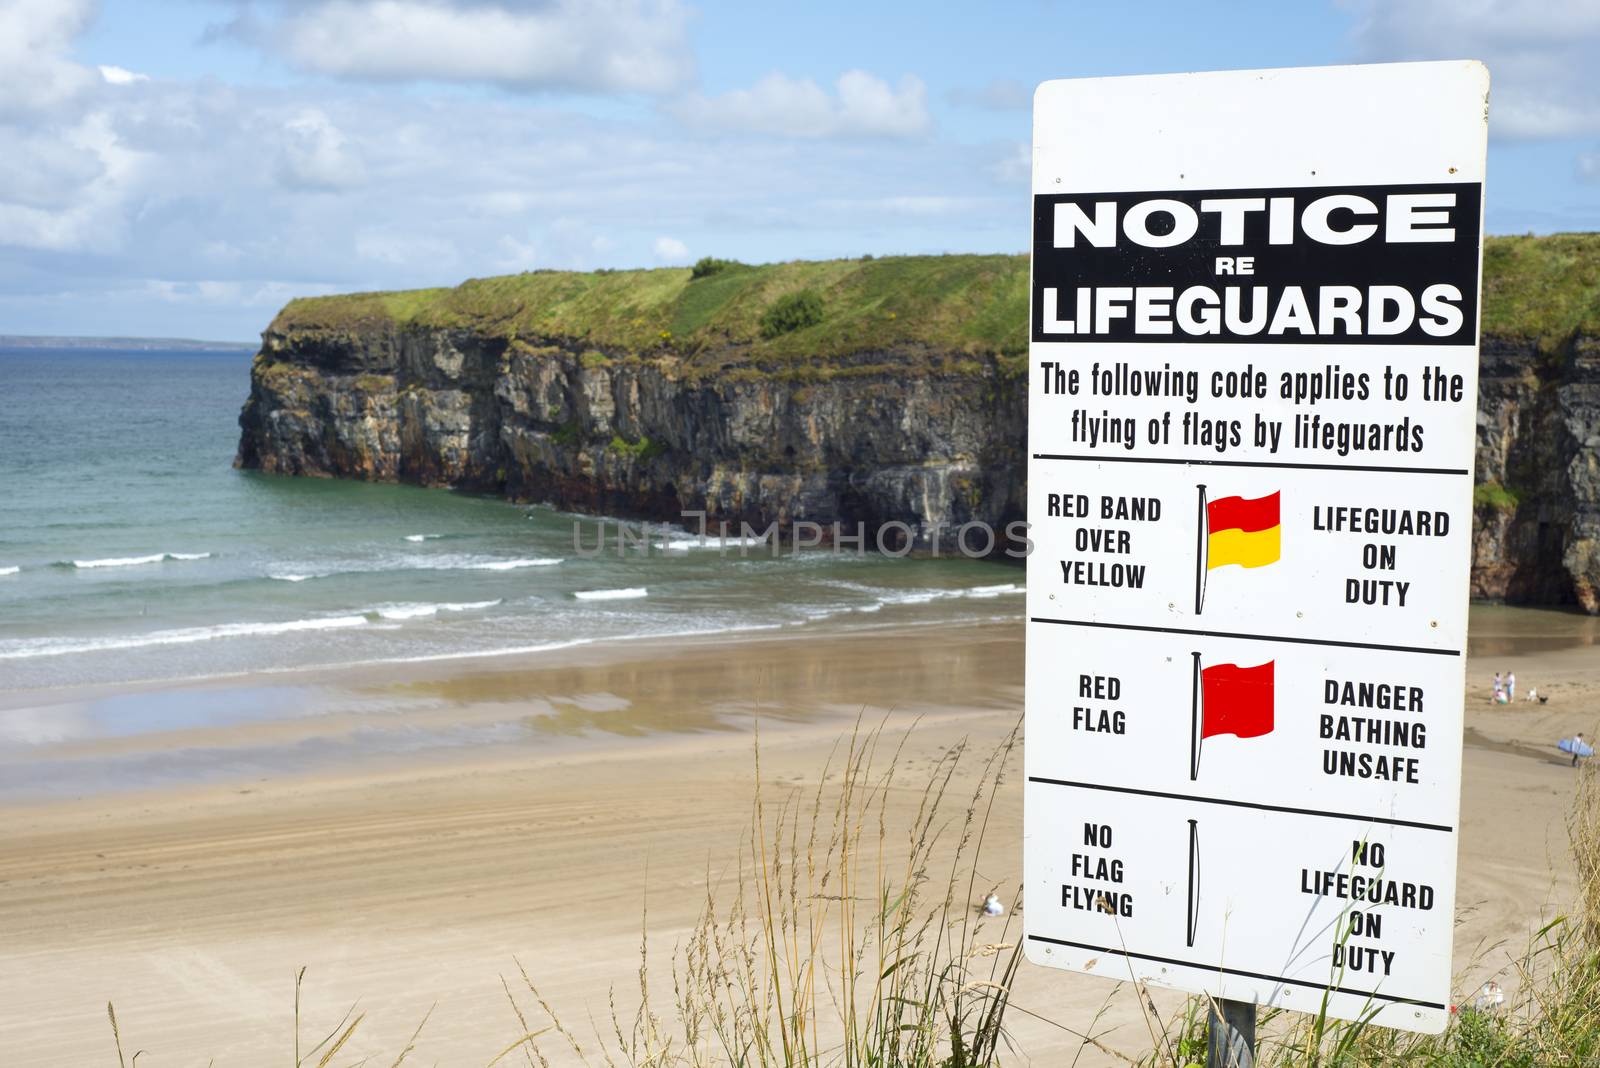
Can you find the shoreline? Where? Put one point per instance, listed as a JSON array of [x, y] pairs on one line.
[[457, 709]]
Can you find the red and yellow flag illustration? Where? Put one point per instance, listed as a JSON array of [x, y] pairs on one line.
[[1242, 531], [1236, 700]]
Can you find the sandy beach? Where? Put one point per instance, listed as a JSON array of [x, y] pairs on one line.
[[617, 779]]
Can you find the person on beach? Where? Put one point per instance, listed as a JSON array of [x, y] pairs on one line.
[[1511, 686], [1498, 686], [1577, 747]]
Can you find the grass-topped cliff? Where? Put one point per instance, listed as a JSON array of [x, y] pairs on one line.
[[722, 312], [1544, 288]]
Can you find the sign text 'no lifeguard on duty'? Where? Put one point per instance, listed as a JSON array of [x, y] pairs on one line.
[[1253, 384]]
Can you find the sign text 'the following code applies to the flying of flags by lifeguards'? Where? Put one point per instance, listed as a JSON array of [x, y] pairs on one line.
[[1252, 387]]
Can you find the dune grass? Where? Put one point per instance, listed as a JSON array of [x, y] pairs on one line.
[[848, 936], [840, 938]]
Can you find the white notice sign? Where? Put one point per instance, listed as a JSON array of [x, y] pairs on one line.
[[1253, 389]]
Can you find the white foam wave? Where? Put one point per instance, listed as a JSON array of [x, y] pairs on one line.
[[683, 545], [9, 570], [627, 594], [995, 591], [423, 537], [36, 647], [135, 561], [424, 610], [884, 596], [307, 569]]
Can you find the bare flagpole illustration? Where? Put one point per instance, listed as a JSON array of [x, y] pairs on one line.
[[1194, 876]]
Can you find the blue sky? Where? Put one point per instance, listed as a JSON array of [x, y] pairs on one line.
[[182, 168]]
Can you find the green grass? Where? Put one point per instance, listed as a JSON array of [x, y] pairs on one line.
[[643, 449], [1544, 288], [1494, 495], [967, 305], [1539, 288]]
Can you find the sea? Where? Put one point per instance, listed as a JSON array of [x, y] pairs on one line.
[[132, 552]]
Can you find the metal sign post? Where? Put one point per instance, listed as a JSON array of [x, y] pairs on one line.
[[1231, 1035], [1252, 401]]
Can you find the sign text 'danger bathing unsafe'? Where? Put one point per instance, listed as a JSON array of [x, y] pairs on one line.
[[1252, 392]]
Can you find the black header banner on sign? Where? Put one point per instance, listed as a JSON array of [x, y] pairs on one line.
[[1347, 265]]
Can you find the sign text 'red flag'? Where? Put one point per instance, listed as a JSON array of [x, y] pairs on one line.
[[1242, 531]]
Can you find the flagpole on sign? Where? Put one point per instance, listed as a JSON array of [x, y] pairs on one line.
[[1200, 552], [1194, 848], [1194, 720]]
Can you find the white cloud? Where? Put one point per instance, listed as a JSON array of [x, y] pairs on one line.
[[406, 248], [862, 105], [1542, 54], [121, 75], [1015, 167], [35, 73], [670, 250], [516, 255], [176, 207], [600, 46], [314, 154]]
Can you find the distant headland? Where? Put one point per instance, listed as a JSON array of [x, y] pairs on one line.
[[153, 344]]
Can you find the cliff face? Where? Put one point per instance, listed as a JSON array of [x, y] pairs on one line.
[[682, 403], [632, 437], [1537, 535]]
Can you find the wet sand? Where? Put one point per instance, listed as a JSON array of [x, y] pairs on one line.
[[616, 780]]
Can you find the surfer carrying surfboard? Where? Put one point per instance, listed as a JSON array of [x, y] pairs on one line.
[[1577, 747]]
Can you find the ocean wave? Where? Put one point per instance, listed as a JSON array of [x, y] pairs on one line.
[[132, 561], [995, 591], [423, 537], [626, 594], [885, 596], [9, 570], [30, 648], [424, 610], [443, 562], [683, 545]]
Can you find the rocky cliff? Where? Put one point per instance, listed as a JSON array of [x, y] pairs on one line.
[[649, 394]]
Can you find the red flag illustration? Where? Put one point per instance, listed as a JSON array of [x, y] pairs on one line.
[[1228, 699], [1236, 700]]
